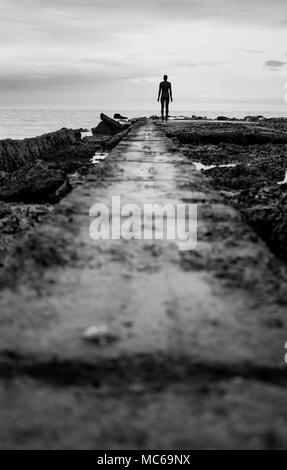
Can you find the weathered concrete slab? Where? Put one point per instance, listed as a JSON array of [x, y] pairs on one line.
[[225, 414]]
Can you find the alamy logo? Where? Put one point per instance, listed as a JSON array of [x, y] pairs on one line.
[[176, 223]]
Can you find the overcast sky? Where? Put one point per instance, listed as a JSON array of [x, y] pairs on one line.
[[113, 53]]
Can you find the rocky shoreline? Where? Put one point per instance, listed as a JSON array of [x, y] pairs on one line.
[[247, 162]]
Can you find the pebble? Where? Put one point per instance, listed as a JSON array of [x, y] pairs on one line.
[[100, 334]]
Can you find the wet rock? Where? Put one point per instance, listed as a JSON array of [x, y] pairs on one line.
[[254, 118], [233, 178], [109, 126], [270, 222], [5, 210], [119, 116], [198, 118], [222, 118], [256, 186], [3, 176], [84, 170], [76, 179], [75, 157], [9, 226], [61, 192], [14, 154], [253, 189], [35, 182], [17, 221], [219, 133], [102, 129], [37, 210], [262, 203], [115, 126]]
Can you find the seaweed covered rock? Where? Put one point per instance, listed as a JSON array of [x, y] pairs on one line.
[[34, 183], [217, 133], [239, 177], [254, 118], [269, 220], [109, 126]]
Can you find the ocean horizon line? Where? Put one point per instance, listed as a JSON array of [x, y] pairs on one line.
[[25, 123]]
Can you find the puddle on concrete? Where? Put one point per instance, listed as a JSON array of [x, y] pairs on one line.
[[98, 157], [285, 179], [76, 178], [199, 166]]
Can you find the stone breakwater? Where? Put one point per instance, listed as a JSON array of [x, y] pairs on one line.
[[14, 154], [133, 344]]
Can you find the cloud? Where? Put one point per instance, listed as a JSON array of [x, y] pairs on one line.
[[73, 46], [255, 51], [97, 71], [204, 64], [69, 12], [192, 65], [275, 64], [75, 22]]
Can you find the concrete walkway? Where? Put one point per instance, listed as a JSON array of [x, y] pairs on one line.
[[195, 362]]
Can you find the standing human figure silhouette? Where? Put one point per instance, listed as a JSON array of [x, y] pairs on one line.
[[165, 95]]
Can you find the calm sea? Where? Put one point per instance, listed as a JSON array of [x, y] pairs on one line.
[[18, 124]]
